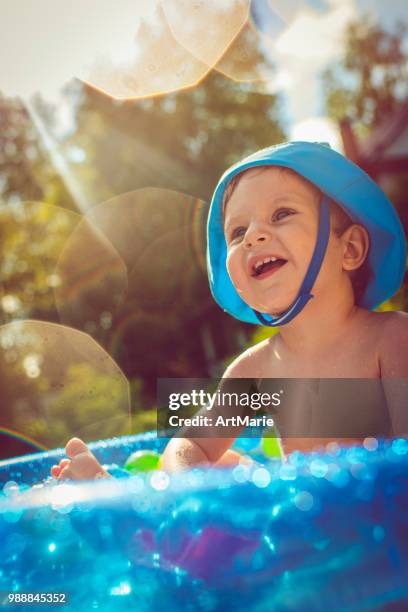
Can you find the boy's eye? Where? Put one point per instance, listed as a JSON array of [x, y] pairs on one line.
[[237, 232], [281, 213]]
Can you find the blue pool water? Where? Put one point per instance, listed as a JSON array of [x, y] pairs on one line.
[[321, 531]]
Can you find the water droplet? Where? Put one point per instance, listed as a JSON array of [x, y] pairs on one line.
[[261, 478], [378, 533], [303, 501], [370, 444], [159, 480], [318, 468]]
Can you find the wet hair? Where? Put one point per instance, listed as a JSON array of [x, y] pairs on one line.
[[340, 221]]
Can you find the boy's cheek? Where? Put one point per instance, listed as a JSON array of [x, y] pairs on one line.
[[233, 276], [231, 265], [236, 270]]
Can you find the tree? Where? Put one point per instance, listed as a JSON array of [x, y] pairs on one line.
[[32, 236], [181, 141], [26, 171], [367, 86], [371, 79]]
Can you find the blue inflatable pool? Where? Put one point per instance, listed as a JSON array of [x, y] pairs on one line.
[[322, 531]]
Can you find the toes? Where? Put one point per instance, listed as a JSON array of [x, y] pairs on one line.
[[81, 465], [85, 467], [55, 470], [75, 446], [66, 474]]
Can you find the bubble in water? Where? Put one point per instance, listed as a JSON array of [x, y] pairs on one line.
[[400, 446], [370, 444], [303, 501], [318, 468], [159, 480], [261, 478], [378, 533], [11, 489]]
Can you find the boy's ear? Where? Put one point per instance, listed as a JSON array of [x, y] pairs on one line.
[[356, 243]]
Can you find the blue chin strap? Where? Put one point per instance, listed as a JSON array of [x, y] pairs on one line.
[[304, 294]]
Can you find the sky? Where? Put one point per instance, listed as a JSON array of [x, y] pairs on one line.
[[312, 39], [44, 44]]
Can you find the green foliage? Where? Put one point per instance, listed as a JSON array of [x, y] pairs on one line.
[[89, 403], [144, 420], [370, 80], [178, 141], [263, 333], [182, 141], [367, 86], [26, 171], [20, 154], [32, 236]]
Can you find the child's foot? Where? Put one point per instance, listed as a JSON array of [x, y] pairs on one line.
[[81, 465]]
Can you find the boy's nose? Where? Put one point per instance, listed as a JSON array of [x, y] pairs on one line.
[[255, 236]]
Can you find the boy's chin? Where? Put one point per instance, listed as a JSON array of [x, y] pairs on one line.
[[272, 310], [273, 307]]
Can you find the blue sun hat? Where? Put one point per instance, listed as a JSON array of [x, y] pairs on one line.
[[343, 182]]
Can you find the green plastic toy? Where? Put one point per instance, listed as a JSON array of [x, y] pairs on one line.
[[143, 461], [271, 445]]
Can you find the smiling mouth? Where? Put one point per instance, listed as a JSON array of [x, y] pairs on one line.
[[268, 268]]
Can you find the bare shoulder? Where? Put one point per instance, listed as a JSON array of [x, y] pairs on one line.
[[391, 325], [381, 324], [250, 363], [393, 343]]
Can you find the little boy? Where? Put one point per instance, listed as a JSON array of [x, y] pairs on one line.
[[301, 238]]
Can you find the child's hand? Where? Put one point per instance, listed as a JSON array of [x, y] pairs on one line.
[[81, 465]]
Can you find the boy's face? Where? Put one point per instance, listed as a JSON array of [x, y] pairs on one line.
[[271, 215]]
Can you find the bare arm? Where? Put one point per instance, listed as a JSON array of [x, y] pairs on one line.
[[183, 453], [394, 370]]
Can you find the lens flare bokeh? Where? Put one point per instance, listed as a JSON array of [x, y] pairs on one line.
[[206, 29], [140, 255], [146, 246], [245, 61], [158, 65], [93, 279], [58, 382]]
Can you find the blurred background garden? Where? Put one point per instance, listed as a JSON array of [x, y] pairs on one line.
[[114, 130]]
